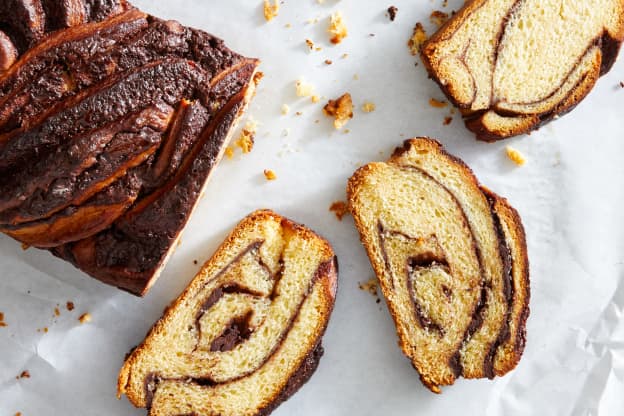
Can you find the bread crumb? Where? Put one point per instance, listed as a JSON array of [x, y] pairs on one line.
[[337, 28], [18, 414], [287, 25], [25, 246], [345, 55], [370, 286], [269, 175], [438, 18], [303, 89], [85, 318], [44, 330], [2, 323], [57, 311], [285, 109], [419, 37], [23, 374], [340, 209], [328, 62], [341, 109], [315, 99], [445, 3], [437, 103], [392, 12], [229, 152], [515, 156], [246, 139], [310, 44], [368, 107], [70, 306], [270, 10]]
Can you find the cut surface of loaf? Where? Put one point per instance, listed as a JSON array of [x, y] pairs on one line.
[[246, 333], [451, 259], [512, 65], [111, 122]]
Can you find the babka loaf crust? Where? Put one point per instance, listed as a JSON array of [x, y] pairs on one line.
[[513, 65], [111, 121], [451, 259], [246, 334]]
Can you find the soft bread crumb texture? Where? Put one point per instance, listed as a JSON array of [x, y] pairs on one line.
[[419, 37], [438, 17], [430, 232], [276, 276], [285, 109], [368, 107], [303, 88], [341, 109], [246, 138], [515, 156], [337, 28], [271, 10]]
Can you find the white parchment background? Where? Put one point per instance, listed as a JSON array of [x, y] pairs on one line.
[[570, 196]]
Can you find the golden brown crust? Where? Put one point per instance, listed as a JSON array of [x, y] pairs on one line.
[[325, 280], [505, 350]]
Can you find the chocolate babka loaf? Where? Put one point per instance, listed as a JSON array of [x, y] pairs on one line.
[[513, 65], [451, 259], [246, 334], [111, 121]]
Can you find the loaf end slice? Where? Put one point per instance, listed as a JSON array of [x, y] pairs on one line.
[[246, 333], [497, 61], [451, 259]]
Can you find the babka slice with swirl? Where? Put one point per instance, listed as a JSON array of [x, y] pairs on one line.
[[246, 334], [451, 259], [513, 65]]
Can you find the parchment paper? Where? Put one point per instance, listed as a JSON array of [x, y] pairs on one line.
[[570, 195]]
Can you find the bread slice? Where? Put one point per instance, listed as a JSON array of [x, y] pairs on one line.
[[511, 65], [246, 333], [451, 259]]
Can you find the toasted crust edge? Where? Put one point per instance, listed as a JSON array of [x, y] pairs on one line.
[[328, 278]]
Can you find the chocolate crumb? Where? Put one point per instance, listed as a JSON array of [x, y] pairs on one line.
[[194, 261], [622, 84], [70, 306], [23, 374], [392, 12], [340, 209], [447, 120]]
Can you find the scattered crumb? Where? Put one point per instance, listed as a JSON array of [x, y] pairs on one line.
[[340, 209], [2, 323], [25, 246], [337, 28], [70, 306], [418, 39], [246, 139], [85, 318], [18, 414], [370, 286], [312, 21], [438, 18], [57, 311], [269, 175], [44, 330], [515, 156], [310, 44], [229, 152], [304, 89], [392, 12], [622, 84], [368, 107], [287, 25], [445, 3], [372, 35], [437, 103], [315, 99], [328, 62], [356, 77], [347, 131], [285, 109], [341, 109], [447, 120], [345, 55], [23, 374], [270, 10]]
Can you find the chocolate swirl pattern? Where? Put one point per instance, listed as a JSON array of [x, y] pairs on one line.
[[451, 259], [246, 333], [111, 121], [513, 65]]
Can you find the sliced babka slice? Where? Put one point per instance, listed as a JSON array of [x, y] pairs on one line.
[[111, 122], [451, 259], [246, 334], [511, 65]]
